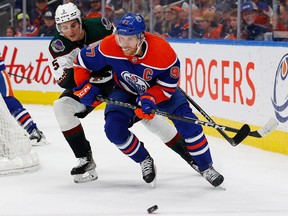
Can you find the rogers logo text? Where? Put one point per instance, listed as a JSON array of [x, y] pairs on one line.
[[280, 91]]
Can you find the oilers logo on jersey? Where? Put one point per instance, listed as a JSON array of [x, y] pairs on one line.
[[136, 82], [280, 91]]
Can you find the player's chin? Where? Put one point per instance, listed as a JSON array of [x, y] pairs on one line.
[[73, 38], [127, 52]]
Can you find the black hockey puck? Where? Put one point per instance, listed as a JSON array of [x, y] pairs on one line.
[[152, 209]]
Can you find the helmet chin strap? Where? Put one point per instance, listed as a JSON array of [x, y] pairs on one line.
[[139, 45]]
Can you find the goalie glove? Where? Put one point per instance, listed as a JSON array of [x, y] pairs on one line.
[[87, 93], [148, 104]]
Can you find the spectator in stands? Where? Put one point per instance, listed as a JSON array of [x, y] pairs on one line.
[[223, 9], [110, 13], [31, 30], [183, 17], [95, 10], [38, 12], [18, 5], [205, 4], [230, 32], [250, 30], [84, 7], [170, 26], [196, 32], [282, 21], [265, 14], [208, 23], [121, 7], [10, 31], [158, 18], [141, 7], [49, 27]]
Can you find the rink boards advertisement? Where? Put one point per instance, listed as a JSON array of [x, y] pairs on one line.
[[234, 83]]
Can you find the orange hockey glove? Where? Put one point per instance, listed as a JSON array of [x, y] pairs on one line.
[[148, 104], [140, 114]]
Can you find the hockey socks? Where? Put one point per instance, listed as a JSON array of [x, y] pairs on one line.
[[77, 141], [178, 145]]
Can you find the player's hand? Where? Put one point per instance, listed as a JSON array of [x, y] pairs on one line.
[[87, 93], [140, 114], [147, 102]]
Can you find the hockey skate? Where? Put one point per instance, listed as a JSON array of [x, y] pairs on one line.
[[37, 138], [194, 166], [149, 170], [85, 171], [182, 150], [212, 176]]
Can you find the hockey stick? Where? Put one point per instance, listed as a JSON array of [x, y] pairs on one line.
[[265, 130], [23, 77], [29, 80], [239, 137]]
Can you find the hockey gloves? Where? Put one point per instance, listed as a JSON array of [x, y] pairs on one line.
[[87, 93], [147, 102]]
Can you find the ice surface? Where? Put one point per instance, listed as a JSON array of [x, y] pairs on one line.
[[255, 180]]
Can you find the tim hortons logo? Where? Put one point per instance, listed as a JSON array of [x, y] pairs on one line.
[[37, 70], [280, 91]]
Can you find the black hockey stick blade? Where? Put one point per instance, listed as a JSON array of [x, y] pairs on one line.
[[242, 133]]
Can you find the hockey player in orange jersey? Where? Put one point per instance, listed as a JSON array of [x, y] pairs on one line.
[[146, 71], [75, 33]]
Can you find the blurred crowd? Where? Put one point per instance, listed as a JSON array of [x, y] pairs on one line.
[[203, 19]]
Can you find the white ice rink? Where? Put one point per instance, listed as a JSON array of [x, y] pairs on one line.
[[256, 181]]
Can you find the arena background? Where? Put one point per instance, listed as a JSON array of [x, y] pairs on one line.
[[234, 82]]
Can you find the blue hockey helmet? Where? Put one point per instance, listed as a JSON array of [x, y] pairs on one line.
[[131, 24]]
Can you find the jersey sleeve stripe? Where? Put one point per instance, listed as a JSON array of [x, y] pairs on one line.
[[165, 84], [80, 61], [160, 68]]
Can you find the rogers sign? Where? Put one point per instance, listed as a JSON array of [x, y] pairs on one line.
[[222, 80]]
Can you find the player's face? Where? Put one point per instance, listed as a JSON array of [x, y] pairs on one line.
[[128, 44], [72, 30]]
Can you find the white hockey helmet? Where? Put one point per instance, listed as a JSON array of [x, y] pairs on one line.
[[67, 12]]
